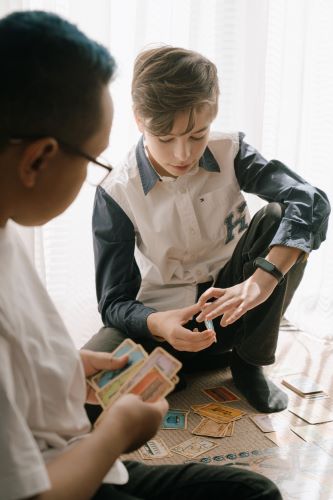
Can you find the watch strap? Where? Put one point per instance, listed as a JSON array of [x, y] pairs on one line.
[[270, 268]]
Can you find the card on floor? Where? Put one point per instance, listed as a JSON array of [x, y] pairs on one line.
[[301, 384], [283, 437], [269, 423], [312, 412], [220, 413], [221, 394], [155, 448], [208, 427], [175, 419], [192, 448]]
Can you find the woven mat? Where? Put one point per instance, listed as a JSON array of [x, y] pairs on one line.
[[247, 437]]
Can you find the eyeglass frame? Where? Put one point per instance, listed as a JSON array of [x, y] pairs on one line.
[[71, 149]]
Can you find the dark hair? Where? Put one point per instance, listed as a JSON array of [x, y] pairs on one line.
[[51, 78], [167, 80]]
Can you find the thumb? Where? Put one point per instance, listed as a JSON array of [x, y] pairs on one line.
[[189, 312], [105, 361]]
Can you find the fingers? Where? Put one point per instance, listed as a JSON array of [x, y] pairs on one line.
[[95, 361], [189, 312], [233, 315], [162, 406], [219, 307], [105, 361], [194, 341], [211, 293]]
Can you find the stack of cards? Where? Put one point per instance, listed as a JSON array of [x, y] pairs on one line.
[[218, 420], [152, 377], [304, 386], [210, 428], [218, 412]]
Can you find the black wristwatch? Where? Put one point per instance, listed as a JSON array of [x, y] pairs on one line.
[[269, 268]]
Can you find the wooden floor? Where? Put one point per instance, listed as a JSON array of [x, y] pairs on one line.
[[296, 353]]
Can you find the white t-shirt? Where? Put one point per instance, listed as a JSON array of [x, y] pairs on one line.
[[42, 384]]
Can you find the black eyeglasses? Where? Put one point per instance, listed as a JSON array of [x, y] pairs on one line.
[[95, 176]]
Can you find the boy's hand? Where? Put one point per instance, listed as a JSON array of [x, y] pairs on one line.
[[168, 325], [93, 362], [235, 301], [136, 420]]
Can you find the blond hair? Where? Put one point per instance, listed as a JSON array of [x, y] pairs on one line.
[[167, 80]]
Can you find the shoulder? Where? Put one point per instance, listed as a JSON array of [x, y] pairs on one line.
[[224, 144], [123, 175]]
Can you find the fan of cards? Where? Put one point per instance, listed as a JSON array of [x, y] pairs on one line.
[[150, 376]]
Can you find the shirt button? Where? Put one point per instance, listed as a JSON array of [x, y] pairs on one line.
[[192, 230], [183, 190]]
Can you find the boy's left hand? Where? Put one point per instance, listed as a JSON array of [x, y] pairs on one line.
[[235, 301], [93, 362]]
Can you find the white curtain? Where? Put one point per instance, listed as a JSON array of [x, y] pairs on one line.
[[275, 65]]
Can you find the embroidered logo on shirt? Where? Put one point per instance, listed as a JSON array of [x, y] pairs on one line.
[[231, 224]]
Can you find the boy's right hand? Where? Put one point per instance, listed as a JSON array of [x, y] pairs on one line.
[[168, 325], [136, 420]]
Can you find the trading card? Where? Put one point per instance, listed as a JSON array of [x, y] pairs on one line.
[[269, 423], [209, 324], [208, 427], [152, 386], [112, 389], [102, 378], [175, 419], [220, 413], [301, 384], [283, 437], [124, 348], [155, 448], [312, 412], [166, 363], [192, 448], [221, 394], [196, 408]]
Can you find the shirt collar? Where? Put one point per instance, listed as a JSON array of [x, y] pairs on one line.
[[148, 174]]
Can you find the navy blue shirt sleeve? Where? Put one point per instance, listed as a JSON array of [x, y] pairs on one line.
[[118, 277], [307, 208]]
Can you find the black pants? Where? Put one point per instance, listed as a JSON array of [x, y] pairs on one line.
[[255, 334], [190, 482]]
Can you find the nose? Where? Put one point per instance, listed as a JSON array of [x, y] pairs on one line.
[[182, 151]]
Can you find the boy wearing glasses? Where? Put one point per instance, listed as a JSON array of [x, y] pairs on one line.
[[172, 228], [52, 123]]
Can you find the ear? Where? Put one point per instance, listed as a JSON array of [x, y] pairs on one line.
[[35, 158]]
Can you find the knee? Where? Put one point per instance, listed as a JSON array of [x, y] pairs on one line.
[[274, 211], [267, 490]]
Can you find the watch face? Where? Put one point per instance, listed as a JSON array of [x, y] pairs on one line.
[[264, 264], [269, 268]]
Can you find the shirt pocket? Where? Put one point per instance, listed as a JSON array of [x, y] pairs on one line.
[[211, 214]]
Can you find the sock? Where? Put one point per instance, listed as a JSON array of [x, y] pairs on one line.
[[260, 392]]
